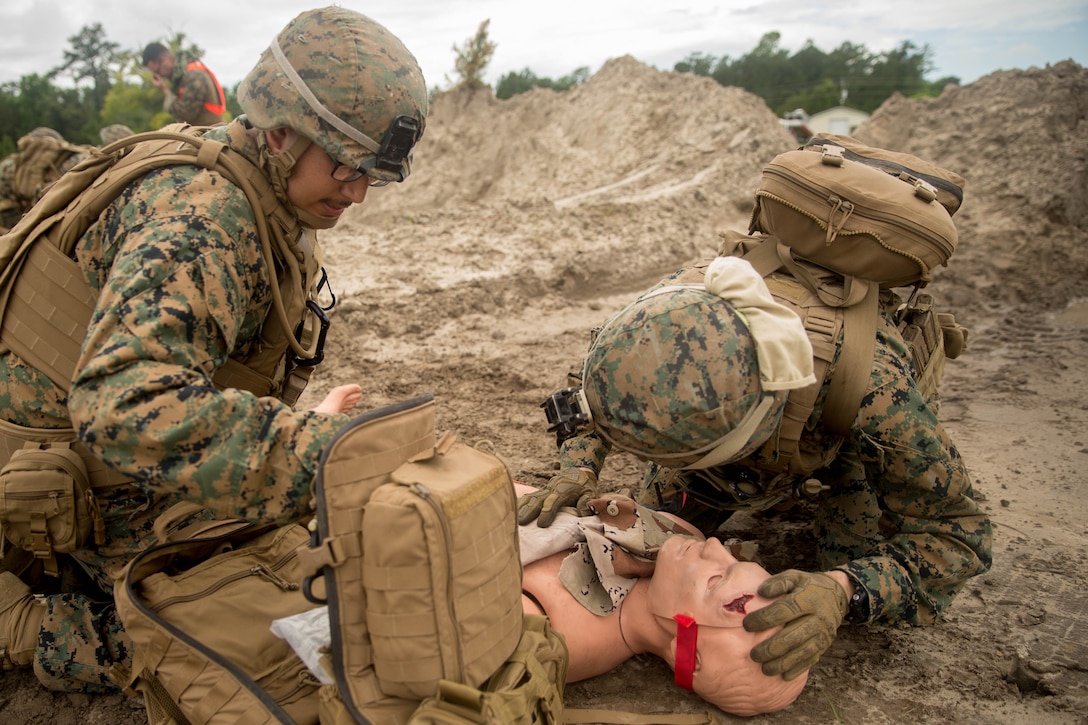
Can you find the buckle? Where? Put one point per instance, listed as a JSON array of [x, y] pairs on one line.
[[568, 413]]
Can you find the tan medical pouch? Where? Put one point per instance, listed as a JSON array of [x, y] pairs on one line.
[[46, 502]]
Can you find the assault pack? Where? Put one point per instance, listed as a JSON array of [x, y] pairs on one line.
[[837, 227], [414, 550]]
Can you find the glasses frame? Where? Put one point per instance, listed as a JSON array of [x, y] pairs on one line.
[[346, 174]]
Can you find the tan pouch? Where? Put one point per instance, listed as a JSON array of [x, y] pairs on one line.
[[46, 502]]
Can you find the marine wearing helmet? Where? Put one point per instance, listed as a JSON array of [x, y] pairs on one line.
[[691, 378], [202, 276]]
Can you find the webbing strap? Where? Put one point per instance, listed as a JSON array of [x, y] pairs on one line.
[[851, 376], [860, 305]]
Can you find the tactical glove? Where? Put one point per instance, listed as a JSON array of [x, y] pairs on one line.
[[570, 487], [810, 612]]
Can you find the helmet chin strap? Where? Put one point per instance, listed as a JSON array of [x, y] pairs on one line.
[[279, 166]]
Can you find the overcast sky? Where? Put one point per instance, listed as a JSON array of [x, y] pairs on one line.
[[968, 38]]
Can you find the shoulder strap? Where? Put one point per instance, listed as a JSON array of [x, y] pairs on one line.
[[860, 303]]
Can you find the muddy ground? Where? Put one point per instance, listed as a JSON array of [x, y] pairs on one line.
[[528, 221]]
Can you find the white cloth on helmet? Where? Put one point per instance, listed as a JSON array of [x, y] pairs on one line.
[[782, 346]]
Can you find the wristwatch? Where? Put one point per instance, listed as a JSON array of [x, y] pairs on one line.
[[858, 611]]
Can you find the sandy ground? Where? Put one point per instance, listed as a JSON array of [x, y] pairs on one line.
[[527, 222]]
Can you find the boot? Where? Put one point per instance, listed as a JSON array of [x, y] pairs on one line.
[[21, 616]]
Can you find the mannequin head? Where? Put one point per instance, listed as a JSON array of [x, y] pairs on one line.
[[703, 580]]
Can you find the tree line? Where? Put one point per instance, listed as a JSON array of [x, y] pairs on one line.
[[809, 79], [97, 83]]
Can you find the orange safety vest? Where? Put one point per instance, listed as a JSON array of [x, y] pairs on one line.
[[213, 107]]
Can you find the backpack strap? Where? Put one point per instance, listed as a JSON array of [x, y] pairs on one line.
[[851, 376], [860, 303]]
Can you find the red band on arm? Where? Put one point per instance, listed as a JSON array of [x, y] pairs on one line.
[[687, 634]]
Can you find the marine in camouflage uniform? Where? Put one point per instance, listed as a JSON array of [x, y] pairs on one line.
[[673, 375], [182, 286], [191, 92], [43, 156]]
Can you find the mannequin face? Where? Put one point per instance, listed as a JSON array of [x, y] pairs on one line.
[[704, 580]]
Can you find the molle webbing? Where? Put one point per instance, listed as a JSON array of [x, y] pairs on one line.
[[823, 325], [47, 311]]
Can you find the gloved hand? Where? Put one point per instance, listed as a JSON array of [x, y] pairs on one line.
[[570, 487], [810, 613]]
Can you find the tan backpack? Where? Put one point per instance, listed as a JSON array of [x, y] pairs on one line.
[[415, 551], [41, 160], [415, 546], [875, 220]]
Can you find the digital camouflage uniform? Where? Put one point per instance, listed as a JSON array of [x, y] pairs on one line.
[[182, 286], [899, 516], [187, 288], [192, 89]]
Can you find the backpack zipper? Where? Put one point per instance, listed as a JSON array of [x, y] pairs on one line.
[[890, 166], [261, 571], [420, 490], [825, 195]]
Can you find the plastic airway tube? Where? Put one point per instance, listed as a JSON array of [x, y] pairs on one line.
[[687, 634]]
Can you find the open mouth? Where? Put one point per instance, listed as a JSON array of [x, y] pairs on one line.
[[738, 604]]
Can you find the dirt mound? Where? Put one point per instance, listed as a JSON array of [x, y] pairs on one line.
[[1021, 140]]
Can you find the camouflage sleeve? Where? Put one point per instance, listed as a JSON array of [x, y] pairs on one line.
[[584, 451], [188, 103], [936, 536], [182, 287]]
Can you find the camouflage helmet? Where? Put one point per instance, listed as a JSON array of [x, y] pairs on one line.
[[43, 132], [674, 379], [114, 132], [346, 83]]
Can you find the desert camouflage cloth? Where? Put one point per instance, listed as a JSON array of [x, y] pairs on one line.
[[191, 90], [609, 549], [182, 285], [899, 515]]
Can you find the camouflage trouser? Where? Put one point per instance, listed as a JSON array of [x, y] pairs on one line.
[[80, 640]]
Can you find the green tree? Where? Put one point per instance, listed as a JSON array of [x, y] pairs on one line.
[[701, 64], [91, 59], [512, 84], [472, 60]]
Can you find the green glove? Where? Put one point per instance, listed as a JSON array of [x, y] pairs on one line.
[[570, 487], [810, 612]]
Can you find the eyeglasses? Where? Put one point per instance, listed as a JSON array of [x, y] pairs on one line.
[[347, 174]]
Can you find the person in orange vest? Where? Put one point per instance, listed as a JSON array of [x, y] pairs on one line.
[[191, 92]]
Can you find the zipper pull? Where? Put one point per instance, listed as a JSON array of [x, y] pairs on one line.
[[262, 571]]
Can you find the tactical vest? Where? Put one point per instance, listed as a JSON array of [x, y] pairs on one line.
[[216, 108], [841, 326], [45, 304]]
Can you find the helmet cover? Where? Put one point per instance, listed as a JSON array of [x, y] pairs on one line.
[[345, 82], [672, 374]]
